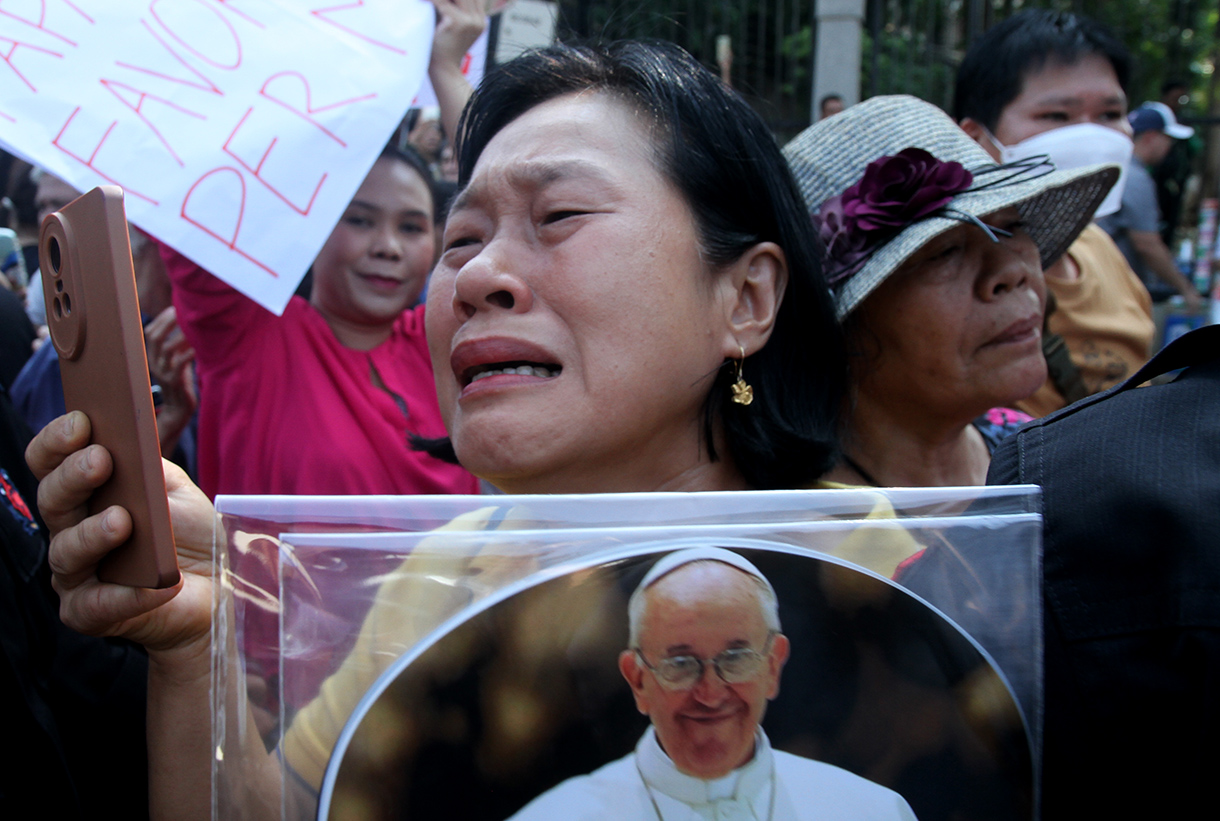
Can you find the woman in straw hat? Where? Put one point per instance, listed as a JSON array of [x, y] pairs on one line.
[[935, 255]]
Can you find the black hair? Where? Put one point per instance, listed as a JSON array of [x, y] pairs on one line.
[[718, 152], [404, 154], [444, 191], [826, 99], [994, 70], [1170, 85], [407, 154]]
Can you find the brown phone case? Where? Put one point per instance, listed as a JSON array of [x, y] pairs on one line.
[[94, 318]]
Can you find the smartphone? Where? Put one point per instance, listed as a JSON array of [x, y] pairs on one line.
[[94, 318]]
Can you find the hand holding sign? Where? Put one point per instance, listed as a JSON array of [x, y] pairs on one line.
[[239, 129], [459, 25]]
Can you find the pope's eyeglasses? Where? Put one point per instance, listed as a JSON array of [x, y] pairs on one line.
[[736, 665]]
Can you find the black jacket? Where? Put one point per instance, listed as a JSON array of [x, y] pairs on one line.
[[73, 705], [1131, 506]]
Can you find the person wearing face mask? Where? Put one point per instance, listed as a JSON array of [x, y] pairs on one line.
[[1044, 83], [1136, 225]]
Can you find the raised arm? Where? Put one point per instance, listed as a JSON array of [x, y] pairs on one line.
[[1151, 248], [458, 24], [171, 361], [173, 624]]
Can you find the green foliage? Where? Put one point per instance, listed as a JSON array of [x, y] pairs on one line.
[[1169, 39], [797, 49], [921, 42], [918, 42], [906, 66]]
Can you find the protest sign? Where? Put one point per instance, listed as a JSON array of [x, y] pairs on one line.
[[238, 129]]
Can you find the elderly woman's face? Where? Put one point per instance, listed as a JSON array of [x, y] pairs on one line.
[[958, 327], [574, 329]]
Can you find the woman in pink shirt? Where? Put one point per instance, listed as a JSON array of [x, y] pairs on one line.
[[327, 397]]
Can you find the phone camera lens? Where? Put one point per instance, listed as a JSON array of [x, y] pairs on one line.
[[53, 248]]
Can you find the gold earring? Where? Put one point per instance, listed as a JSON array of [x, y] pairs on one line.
[[743, 393]]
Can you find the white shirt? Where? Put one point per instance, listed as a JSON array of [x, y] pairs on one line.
[[646, 784]]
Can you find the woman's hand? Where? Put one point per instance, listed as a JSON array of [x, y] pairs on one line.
[[171, 622], [171, 360], [458, 24]]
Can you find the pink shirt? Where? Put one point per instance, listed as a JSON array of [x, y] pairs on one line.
[[285, 408]]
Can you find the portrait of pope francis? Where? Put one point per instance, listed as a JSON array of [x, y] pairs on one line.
[[705, 657]]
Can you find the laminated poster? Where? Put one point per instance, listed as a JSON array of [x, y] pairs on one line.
[[522, 692]]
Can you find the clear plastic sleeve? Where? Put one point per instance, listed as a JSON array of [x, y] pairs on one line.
[[321, 596]]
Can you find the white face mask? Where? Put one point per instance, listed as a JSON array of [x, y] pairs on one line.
[[1075, 146]]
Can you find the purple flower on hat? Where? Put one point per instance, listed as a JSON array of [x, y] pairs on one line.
[[846, 248], [894, 192]]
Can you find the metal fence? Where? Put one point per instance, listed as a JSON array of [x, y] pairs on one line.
[[910, 46], [914, 46], [772, 42]]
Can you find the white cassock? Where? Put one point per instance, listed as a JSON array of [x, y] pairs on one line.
[[772, 785]]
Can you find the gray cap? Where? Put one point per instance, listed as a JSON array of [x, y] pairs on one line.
[[702, 554]]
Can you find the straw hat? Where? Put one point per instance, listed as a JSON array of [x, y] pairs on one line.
[[831, 156]]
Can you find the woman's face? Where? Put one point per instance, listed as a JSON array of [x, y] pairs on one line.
[[958, 328], [574, 329], [375, 261]]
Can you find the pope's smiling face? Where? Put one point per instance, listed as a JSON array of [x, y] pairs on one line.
[[701, 610]]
